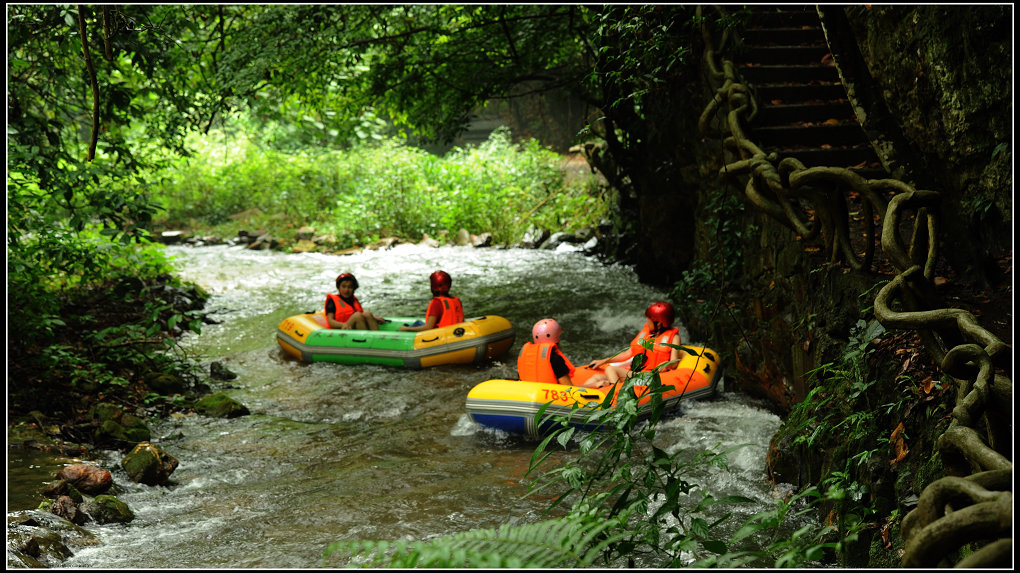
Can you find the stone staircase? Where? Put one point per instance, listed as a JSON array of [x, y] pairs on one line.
[[803, 108]]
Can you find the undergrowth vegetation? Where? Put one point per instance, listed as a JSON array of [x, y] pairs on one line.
[[624, 501], [377, 189]]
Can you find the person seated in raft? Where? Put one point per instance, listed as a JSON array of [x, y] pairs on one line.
[[444, 309], [658, 327], [543, 361], [344, 311]]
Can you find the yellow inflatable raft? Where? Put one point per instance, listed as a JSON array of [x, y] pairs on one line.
[[511, 405]]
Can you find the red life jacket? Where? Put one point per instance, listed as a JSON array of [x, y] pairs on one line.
[[453, 311], [343, 310], [659, 353], [534, 363]]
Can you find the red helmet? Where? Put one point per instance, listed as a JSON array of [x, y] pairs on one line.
[[346, 277], [440, 281], [546, 330], [661, 314]]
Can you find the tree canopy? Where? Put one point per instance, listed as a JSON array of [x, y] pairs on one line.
[[96, 94]]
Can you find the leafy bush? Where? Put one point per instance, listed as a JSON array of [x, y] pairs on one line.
[[381, 189]]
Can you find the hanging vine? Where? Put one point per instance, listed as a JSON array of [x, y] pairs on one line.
[[973, 505]]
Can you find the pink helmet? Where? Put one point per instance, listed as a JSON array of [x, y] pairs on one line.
[[661, 313], [440, 281], [546, 330]]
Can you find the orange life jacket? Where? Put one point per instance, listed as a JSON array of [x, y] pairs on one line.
[[659, 353], [534, 363], [343, 310], [453, 311]]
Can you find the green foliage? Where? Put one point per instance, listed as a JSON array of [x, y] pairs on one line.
[[630, 503], [557, 543], [388, 188]]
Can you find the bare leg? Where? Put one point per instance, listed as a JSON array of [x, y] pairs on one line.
[[370, 322], [597, 381], [357, 322], [615, 373]]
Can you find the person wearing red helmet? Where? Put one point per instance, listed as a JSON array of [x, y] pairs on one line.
[[344, 311], [542, 360], [658, 328], [443, 309]]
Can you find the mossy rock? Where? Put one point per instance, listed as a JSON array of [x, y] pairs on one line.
[[108, 509], [220, 405], [117, 425], [149, 464], [166, 384], [63, 487]]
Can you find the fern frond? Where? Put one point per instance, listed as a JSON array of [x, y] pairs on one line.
[[557, 543]]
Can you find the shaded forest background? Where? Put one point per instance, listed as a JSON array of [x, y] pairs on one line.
[[102, 97]]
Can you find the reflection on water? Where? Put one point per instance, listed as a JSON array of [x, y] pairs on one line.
[[333, 452]]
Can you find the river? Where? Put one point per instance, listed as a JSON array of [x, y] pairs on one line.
[[340, 452]]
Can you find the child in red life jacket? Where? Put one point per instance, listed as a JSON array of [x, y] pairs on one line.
[[344, 311], [543, 361], [444, 309], [658, 327]]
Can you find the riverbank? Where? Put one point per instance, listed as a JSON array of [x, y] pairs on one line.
[[111, 346]]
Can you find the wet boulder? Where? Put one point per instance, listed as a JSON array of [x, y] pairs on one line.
[[463, 238], [534, 237], [217, 371], [483, 240], [62, 487], [166, 384], [304, 246], [86, 478], [108, 509], [148, 464], [119, 426], [67, 508], [37, 538], [220, 405], [558, 238]]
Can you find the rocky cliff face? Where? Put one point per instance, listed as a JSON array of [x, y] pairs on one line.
[[946, 73], [799, 331]]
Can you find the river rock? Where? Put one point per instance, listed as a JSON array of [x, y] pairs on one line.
[[117, 425], [86, 478], [62, 487], [171, 237], [149, 464], [220, 405], [304, 246], [305, 233], [462, 239], [483, 240], [428, 241], [166, 384], [109, 509], [37, 538], [556, 239], [66, 507], [217, 371], [534, 237], [383, 244]]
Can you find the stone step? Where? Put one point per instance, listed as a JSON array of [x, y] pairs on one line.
[[784, 36], [787, 73], [829, 157], [785, 114], [772, 55], [809, 135], [785, 17], [800, 93]]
